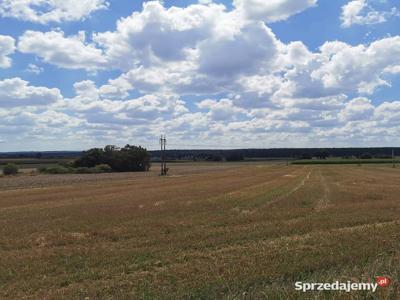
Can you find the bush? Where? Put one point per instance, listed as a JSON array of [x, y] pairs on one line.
[[55, 170], [10, 169], [104, 168], [81, 170], [86, 170], [67, 164]]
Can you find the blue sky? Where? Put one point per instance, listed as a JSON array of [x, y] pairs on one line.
[[221, 74]]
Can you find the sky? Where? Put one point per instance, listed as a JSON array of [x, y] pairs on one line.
[[77, 74]]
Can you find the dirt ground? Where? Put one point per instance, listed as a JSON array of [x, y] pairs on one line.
[[207, 231]]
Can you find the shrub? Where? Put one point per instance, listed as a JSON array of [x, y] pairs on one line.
[[86, 170], [81, 170], [10, 169], [67, 164], [55, 170], [104, 168]]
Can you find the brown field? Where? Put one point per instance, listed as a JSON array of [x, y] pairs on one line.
[[207, 231]]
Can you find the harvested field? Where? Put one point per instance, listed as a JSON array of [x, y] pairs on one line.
[[207, 231], [43, 180]]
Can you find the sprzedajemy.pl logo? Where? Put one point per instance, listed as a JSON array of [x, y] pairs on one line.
[[342, 286]]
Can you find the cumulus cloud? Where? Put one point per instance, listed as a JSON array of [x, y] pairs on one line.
[[223, 110], [32, 68], [86, 89], [359, 12], [388, 113], [196, 64], [337, 68], [71, 52], [46, 11], [159, 34], [90, 104], [250, 50], [359, 68], [271, 75], [17, 92], [246, 86], [272, 10], [357, 109], [7, 47]]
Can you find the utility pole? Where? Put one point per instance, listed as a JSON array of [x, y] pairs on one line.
[[163, 142]]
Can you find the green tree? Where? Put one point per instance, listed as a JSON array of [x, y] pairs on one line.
[[91, 158], [127, 159]]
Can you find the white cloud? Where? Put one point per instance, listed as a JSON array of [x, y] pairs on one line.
[[272, 74], [247, 87], [146, 109], [158, 34], [32, 68], [388, 113], [46, 11], [252, 49], [337, 68], [86, 89], [222, 110], [7, 47], [17, 92], [359, 68], [357, 109], [359, 12], [199, 63], [71, 52], [189, 123], [272, 10]]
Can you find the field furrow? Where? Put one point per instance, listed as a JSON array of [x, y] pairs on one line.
[[242, 231]]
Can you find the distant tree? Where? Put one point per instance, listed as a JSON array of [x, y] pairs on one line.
[[130, 159], [214, 157], [306, 156], [39, 155], [207, 156], [10, 169], [366, 155], [235, 156], [322, 154], [91, 158], [127, 159]]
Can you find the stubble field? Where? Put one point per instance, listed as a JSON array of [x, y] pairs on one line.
[[207, 231]]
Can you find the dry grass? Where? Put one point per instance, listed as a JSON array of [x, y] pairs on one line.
[[206, 232]]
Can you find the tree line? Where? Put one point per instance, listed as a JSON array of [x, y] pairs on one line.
[[105, 160], [126, 159], [281, 153]]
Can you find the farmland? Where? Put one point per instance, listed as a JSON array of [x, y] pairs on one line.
[[339, 161], [206, 231], [31, 164]]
